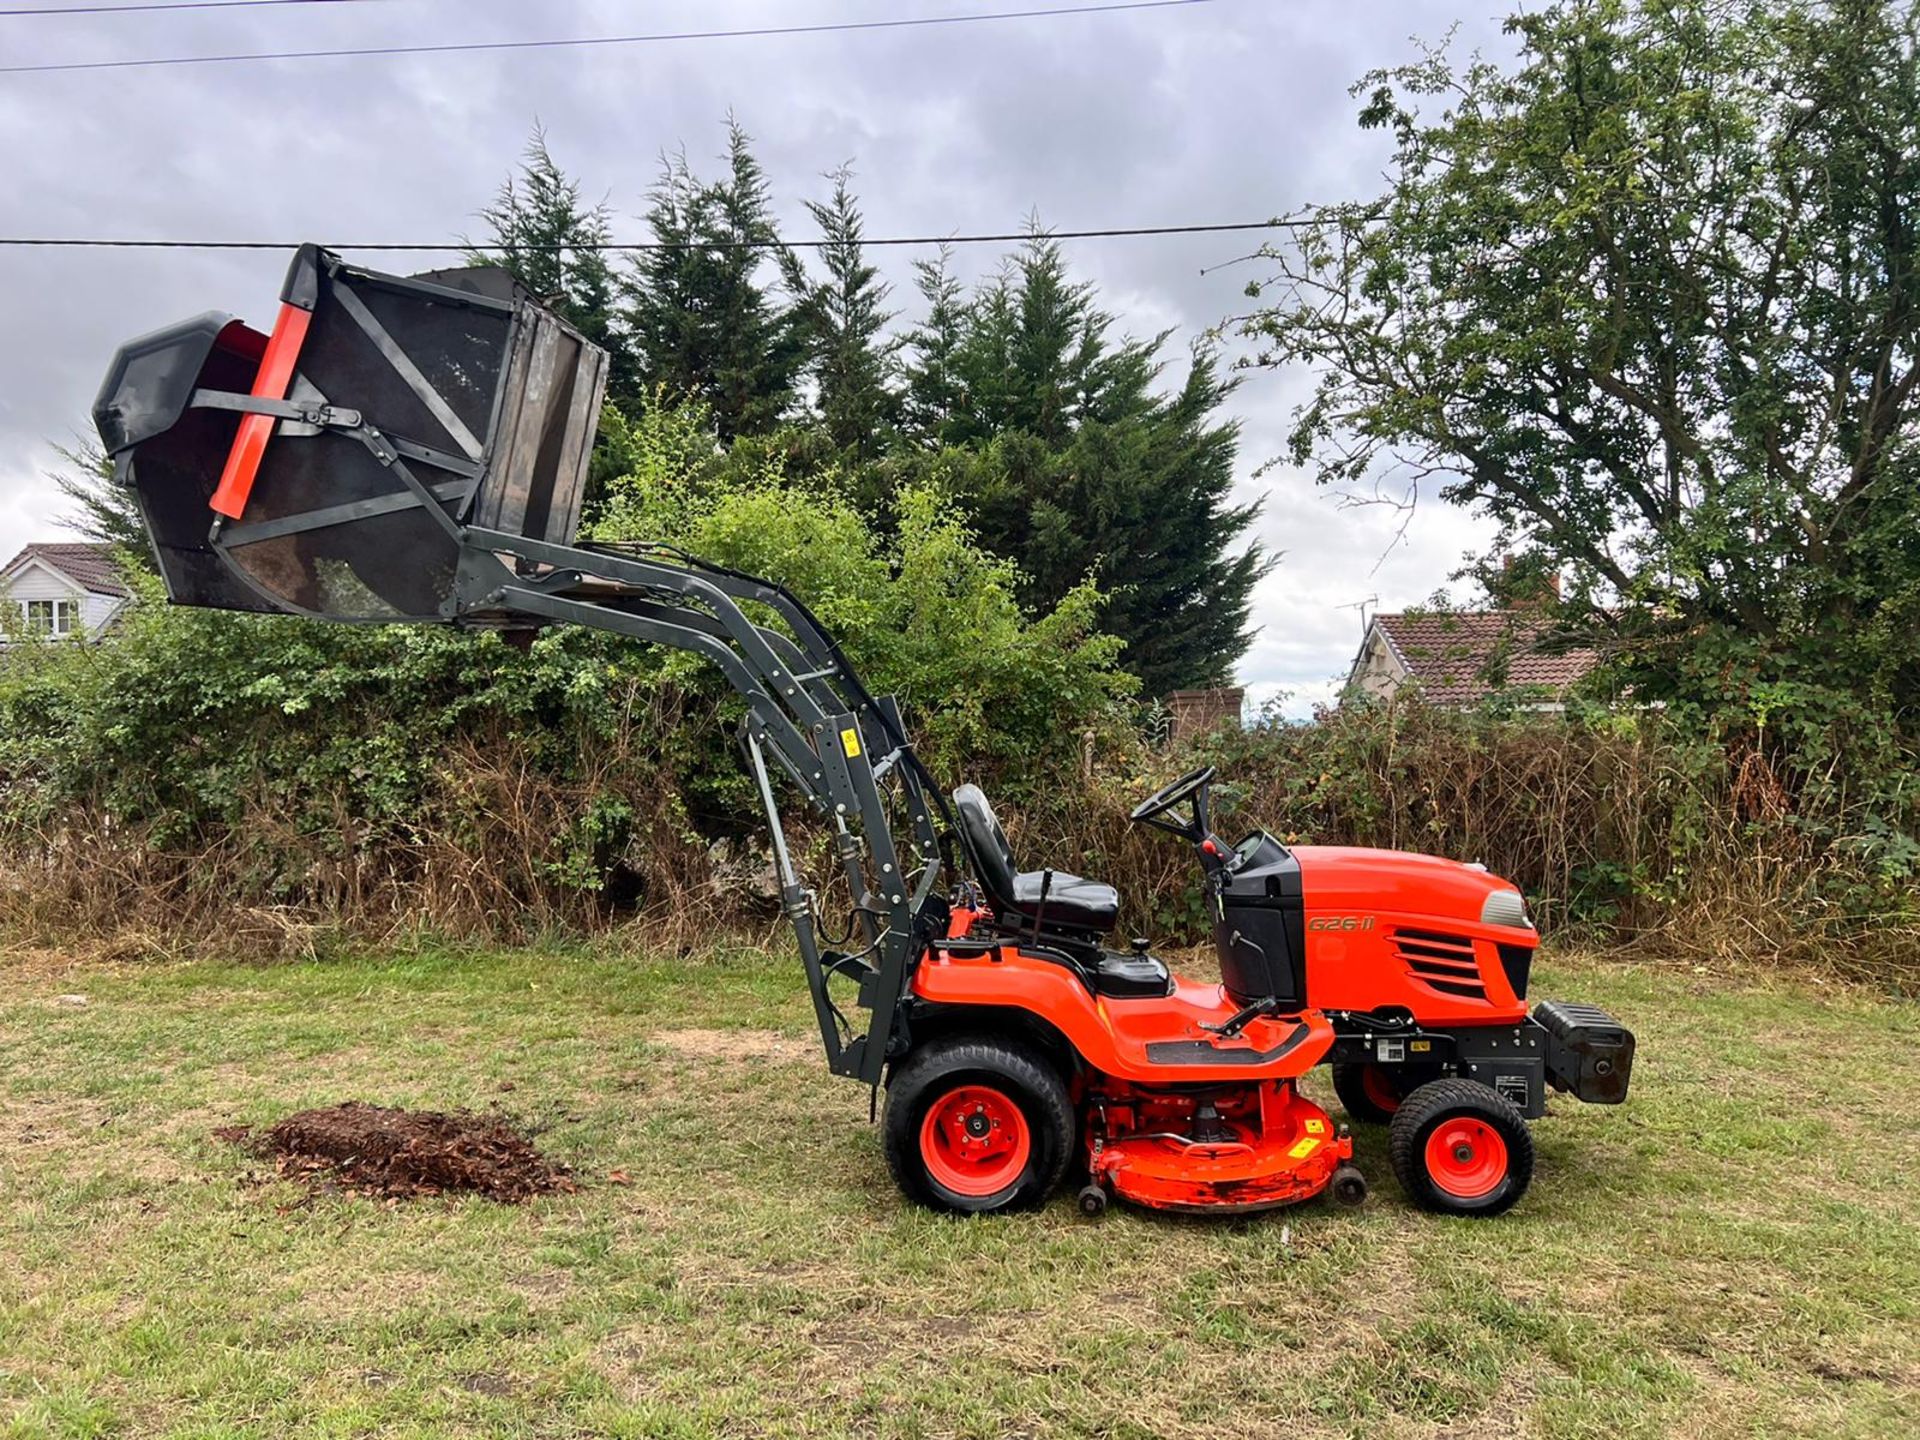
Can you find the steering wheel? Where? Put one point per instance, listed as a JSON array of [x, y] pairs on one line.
[[1164, 799]]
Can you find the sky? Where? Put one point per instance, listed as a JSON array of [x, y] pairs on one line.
[[1221, 111]]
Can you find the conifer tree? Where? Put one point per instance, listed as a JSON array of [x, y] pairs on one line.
[[704, 326], [553, 243], [104, 510], [1078, 467], [854, 363], [934, 392]]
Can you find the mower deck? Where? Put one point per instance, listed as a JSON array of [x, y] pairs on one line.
[[1275, 1148]]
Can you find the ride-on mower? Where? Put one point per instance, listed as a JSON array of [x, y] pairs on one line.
[[414, 449]]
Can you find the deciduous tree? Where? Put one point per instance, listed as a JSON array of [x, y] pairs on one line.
[[1648, 297]]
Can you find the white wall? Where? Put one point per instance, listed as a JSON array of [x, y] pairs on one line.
[[37, 581], [1379, 673]]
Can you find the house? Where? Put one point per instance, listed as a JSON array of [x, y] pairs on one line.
[[61, 589], [1459, 658]]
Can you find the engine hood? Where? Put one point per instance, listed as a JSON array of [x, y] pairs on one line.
[[1368, 882]]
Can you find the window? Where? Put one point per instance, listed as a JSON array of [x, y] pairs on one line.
[[52, 617]]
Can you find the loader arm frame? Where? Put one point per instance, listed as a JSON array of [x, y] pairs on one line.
[[807, 710]]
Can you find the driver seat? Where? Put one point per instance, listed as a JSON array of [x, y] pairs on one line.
[[1072, 904]]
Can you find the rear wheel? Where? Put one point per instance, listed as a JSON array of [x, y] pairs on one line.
[[977, 1125], [1460, 1148]]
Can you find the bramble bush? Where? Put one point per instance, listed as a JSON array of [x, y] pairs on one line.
[[212, 777], [259, 782], [199, 765], [923, 611], [1625, 828], [255, 782]]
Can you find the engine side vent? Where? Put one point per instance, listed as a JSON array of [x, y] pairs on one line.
[[1517, 961], [1445, 962]]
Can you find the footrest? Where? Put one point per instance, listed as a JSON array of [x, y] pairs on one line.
[[1589, 1053]]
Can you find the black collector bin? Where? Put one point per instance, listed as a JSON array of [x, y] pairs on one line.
[[331, 467]]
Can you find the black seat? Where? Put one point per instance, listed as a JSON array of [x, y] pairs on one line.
[[1072, 903]]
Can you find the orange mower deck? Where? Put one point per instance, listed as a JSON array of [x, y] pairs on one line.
[[1277, 1148]]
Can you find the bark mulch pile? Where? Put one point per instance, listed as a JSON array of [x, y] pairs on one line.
[[399, 1154]]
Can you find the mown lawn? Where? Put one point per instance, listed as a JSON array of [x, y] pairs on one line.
[[1733, 1253]]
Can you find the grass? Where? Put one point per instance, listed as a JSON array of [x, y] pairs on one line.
[[1731, 1254]]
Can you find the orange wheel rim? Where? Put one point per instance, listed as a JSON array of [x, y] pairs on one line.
[[975, 1141], [1466, 1158], [1375, 1085]]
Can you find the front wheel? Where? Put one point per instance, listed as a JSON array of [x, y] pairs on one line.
[[1461, 1148], [976, 1125], [1371, 1092]]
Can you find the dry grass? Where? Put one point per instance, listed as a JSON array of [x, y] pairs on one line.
[[1621, 835], [1732, 1254]]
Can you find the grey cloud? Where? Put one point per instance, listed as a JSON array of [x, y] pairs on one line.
[[1216, 112]]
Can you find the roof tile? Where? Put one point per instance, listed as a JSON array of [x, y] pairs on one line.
[[1459, 657], [83, 562]]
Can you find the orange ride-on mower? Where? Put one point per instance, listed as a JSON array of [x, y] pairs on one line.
[[1406, 973], [413, 449]]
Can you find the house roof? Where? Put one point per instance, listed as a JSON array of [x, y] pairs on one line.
[[1458, 657], [90, 566]]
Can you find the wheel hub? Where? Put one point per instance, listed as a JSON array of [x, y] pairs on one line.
[[1466, 1157], [975, 1140]]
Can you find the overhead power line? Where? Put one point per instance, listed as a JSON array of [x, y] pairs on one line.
[[659, 37], [1004, 237], [172, 5]]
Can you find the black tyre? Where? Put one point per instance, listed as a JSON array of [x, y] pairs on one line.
[[1349, 1187], [976, 1125], [1460, 1148], [1372, 1093]]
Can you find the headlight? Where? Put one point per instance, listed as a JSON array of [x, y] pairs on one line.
[[1505, 907]]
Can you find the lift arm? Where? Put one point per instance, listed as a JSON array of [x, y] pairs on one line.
[[807, 709]]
